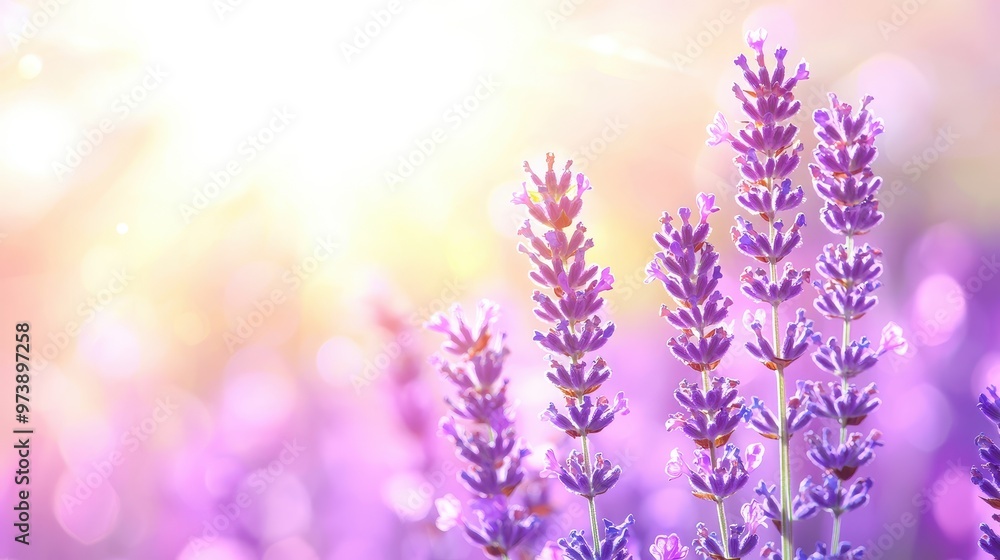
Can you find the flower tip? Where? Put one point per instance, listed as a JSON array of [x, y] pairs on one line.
[[675, 467], [718, 131], [892, 339], [621, 404], [706, 206], [666, 547], [993, 391], [802, 73], [756, 38], [436, 322], [449, 510], [551, 468], [755, 456], [752, 320], [753, 516]]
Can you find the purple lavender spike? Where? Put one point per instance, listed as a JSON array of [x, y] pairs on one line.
[[569, 301], [687, 266], [844, 179], [767, 152], [481, 426]]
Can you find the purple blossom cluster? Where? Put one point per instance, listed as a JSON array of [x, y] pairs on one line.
[[688, 267], [844, 179], [481, 426], [987, 475], [569, 301], [416, 416], [767, 151]]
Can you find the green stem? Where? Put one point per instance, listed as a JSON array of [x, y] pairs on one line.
[[591, 504], [835, 539], [588, 469], [786, 467], [784, 449]]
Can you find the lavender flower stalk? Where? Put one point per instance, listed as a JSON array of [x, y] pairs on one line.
[[689, 270], [843, 178], [570, 305], [987, 475], [406, 373], [768, 153], [481, 426]]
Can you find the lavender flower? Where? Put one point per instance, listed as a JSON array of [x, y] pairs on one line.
[[845, 552], [614, 547], [834, 402], [578, 478], [719, 479], [844, 459], [742, 538], [668, 548], [843, 178], [481, 426], [987, 475], [767, 153], [687, 266], [802, 505], [797, 416], [408, 392], [990, 542], [990, 406], [836, 499], [570, 303], [798, 335]]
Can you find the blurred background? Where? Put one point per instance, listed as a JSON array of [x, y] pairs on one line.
[[226, 220]]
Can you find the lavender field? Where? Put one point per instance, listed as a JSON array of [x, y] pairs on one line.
[[523, 281]]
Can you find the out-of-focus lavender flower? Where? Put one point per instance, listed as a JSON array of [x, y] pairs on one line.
[[481, 426], [987, 475], [499, 527], [536, 497], [687, 266], [570, 300], [767, 152], [668, 548], [551, 551], [844, 179], [413, 406]]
